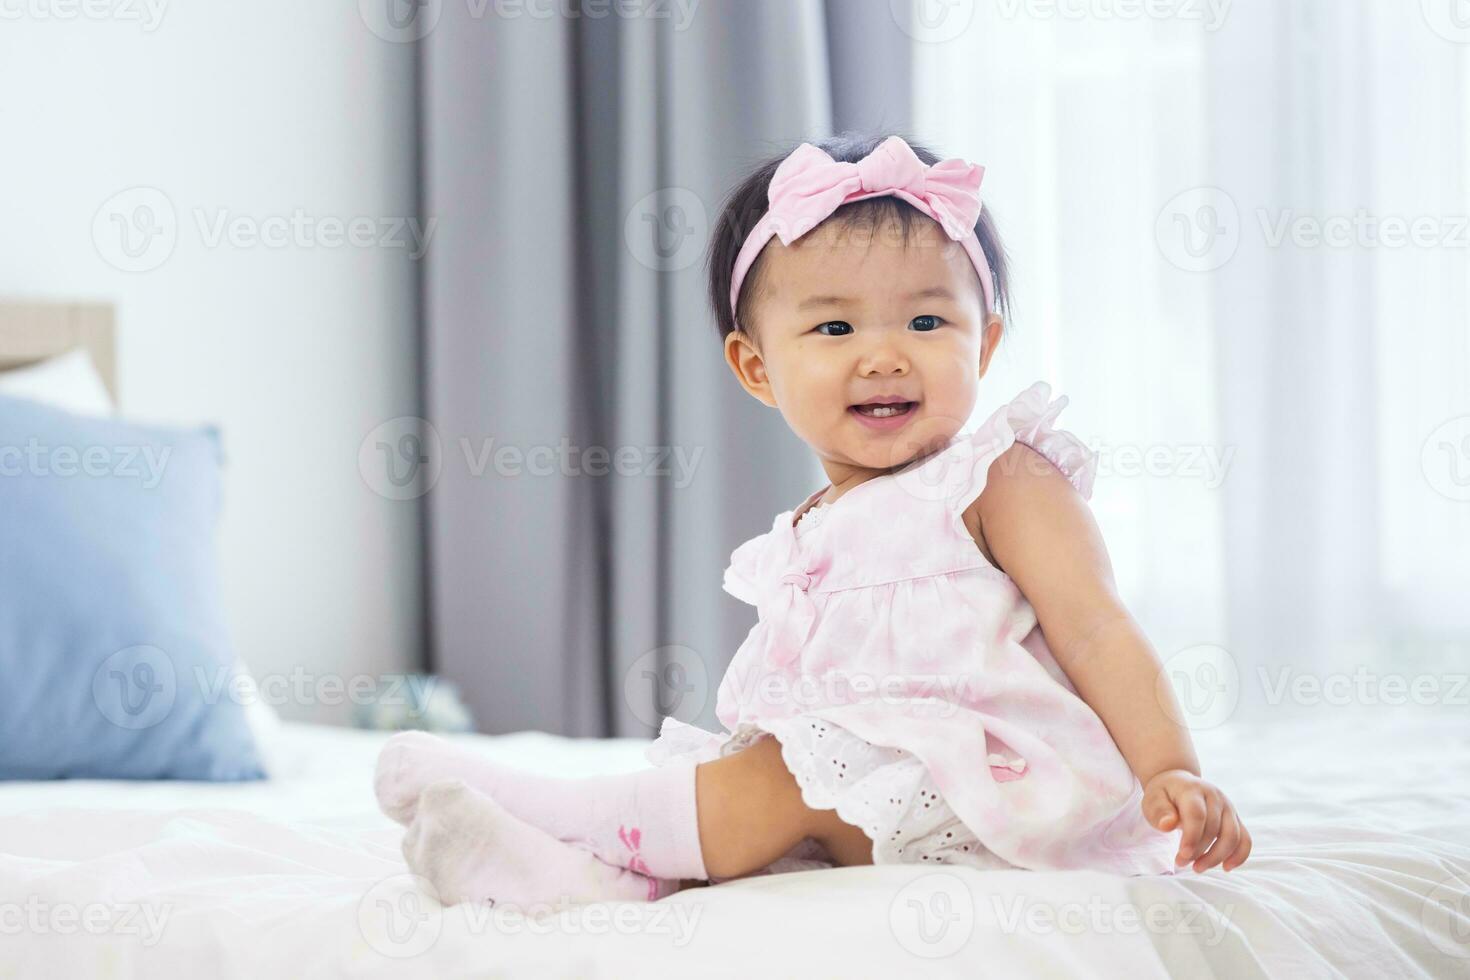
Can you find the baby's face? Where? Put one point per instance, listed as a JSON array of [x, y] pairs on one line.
[[851, 317]]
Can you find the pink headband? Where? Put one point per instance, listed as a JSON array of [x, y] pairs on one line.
[[809, 185]]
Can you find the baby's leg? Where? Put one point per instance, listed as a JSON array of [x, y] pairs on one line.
[[751, 813], [740, 812], [472, 850]]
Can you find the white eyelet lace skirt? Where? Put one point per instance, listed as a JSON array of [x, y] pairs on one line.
[[887, 792]]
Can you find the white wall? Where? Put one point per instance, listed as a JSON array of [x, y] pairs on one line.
[[297, 352]]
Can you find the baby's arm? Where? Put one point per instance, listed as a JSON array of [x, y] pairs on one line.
[[1036, 527]]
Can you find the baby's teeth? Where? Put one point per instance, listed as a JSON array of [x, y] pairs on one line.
[[883, 411]]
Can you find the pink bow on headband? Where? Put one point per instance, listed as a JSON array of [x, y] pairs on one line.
[[809, 185]]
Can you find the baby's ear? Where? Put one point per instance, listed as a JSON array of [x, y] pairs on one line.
[[748, 366], [990, 336]]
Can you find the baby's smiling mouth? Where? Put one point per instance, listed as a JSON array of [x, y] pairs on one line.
[[883, 411], [883, 407]]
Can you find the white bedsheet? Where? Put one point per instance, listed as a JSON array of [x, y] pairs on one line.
[[1361, 868]]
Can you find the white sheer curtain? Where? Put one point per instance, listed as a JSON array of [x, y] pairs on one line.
[[1284, 421]]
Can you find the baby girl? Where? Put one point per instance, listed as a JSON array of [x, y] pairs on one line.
[[942, 671]]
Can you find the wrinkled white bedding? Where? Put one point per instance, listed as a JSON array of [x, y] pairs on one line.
[[1361, 868]]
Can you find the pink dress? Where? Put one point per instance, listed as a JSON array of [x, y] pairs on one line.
[[909, 684]]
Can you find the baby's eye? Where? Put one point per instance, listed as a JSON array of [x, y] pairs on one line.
[[927, 322], [846, 328]]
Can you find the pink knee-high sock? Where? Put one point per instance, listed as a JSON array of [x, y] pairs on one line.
[[644, 821], [471, 849]]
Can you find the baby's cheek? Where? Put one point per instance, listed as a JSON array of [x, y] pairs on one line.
[[957, 393]]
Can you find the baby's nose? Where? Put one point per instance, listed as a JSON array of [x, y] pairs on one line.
[[884, 360]]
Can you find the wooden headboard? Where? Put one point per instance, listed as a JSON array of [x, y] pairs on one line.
[[32, 331]]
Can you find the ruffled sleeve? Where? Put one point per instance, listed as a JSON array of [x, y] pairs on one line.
[[740, 574], [957, 474], [1032, 417]]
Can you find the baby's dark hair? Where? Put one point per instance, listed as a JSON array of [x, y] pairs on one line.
[[747, 203]]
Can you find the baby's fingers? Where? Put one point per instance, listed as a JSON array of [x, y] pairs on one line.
[[1192, 812], [1214, 814], [1159, 811], [1242, 850], [1225, 842]]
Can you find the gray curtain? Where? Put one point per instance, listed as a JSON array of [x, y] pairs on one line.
[[575, 166]]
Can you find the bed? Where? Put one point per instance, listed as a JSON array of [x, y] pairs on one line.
[[1361, 869], [1361, 866]]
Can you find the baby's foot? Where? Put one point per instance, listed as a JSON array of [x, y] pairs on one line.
[[409, 761], [472, 850]]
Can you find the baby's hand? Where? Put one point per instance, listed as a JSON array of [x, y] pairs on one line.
[[1212, 830]]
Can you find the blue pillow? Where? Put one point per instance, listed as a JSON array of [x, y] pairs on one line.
[[114, 658]]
